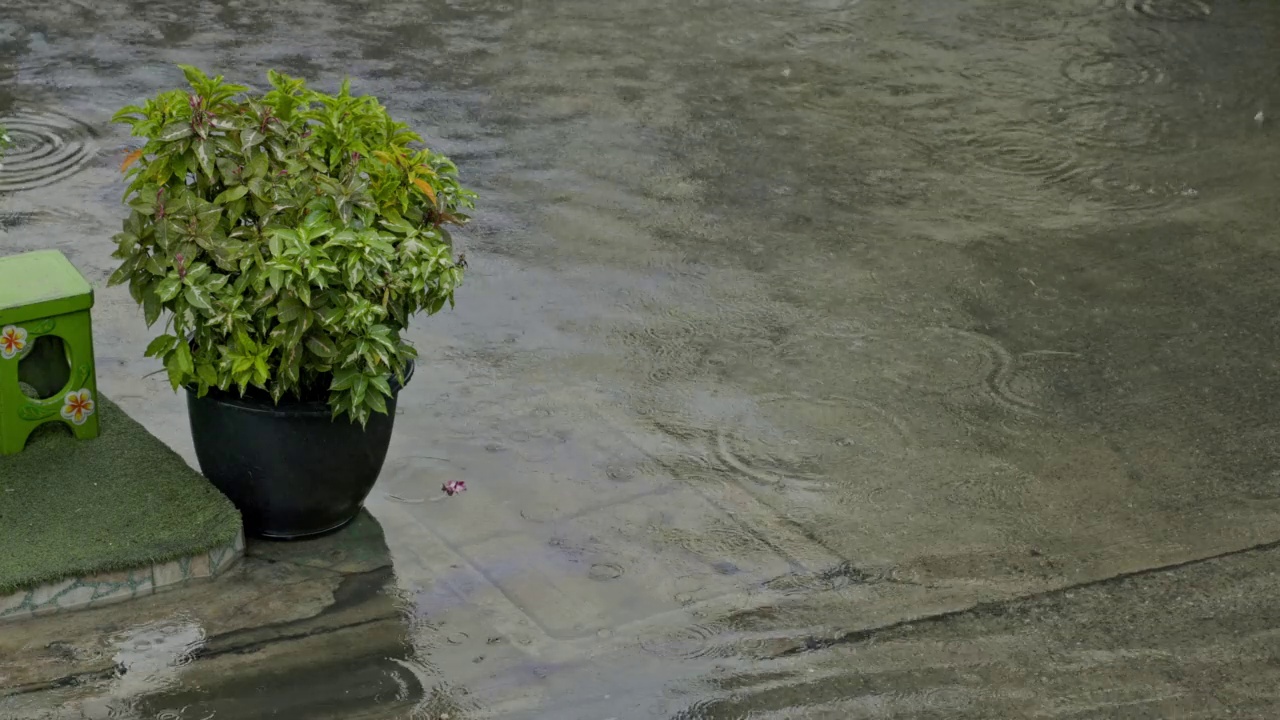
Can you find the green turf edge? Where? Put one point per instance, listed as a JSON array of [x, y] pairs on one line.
[[56, 471]]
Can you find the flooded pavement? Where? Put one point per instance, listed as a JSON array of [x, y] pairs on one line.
[[818, 359]]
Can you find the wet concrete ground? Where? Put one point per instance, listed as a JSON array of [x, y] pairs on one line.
[[819, 359]]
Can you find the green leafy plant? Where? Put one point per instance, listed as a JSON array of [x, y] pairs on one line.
[[286, 237]]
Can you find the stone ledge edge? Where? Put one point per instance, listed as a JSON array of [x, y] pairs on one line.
[[113, 587]]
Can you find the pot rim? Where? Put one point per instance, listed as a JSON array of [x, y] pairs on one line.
[[287, 405]]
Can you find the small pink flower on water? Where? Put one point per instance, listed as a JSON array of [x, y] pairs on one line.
[[453, 487]]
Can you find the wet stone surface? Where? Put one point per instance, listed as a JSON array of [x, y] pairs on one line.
[[817, 359]]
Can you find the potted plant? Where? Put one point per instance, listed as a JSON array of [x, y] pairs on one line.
[[286, 238]]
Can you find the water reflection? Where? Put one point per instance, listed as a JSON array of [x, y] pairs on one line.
[[310, 629]]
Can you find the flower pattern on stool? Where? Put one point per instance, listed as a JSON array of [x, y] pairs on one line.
[[78, 406], [12, 340]]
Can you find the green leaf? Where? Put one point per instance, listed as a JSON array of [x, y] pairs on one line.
[[123, 273], [151, 306], [126, 243], [223, 144], [344, 378], [229, 169], [175, 131], [376, 402], [205, 157], [290, 309], [261, 373], [250, 137], [293, 337], [183, 351], [380, 382], [176, 376], [161, 346], [180, 365], [264, 298], [208, 216], [194, 75], [136, 288], [257, 167], [196, 272], [231, 194], [217, 283], [358, 387], [321, 345], [126, 113], [242, 364], [198, 297], [399, 225], [180, 164], [168, 288], [275, 241], [235, 210], [207, 373], [329, 316]]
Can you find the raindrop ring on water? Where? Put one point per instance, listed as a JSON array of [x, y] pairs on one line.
[[1111, 72], [603, 572], [46, 147], [702, 640], [1177, 10], [1114, 126], [824, 34], [1024, 152], [1032, 22]]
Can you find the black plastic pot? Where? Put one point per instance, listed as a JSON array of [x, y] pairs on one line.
[[292, 471]]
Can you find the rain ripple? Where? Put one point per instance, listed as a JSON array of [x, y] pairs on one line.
[[824, 35], [47, 147], [1024, 151], [713, 639], [1113, 71], [1175, 10], [1028, 22], [1114, 126], [1051, 156]]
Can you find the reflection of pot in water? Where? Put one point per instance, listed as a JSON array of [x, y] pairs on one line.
[[309, 629]]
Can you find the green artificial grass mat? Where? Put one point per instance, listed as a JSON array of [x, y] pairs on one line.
[[71, 508]]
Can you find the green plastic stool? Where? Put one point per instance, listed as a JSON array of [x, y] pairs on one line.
[[42, 293]]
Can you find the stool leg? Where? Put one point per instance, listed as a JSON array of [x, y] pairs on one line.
[[76, 331], [13, 431]]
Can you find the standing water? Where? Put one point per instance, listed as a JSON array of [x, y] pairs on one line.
[[818, 359]]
